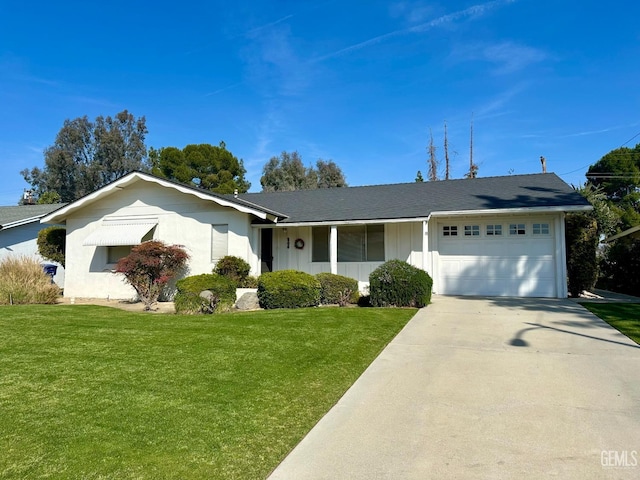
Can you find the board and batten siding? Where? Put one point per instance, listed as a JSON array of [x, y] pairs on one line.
[[182, 220], [402, 241]]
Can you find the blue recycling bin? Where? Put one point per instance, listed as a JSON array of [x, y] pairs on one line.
[[50, 270]]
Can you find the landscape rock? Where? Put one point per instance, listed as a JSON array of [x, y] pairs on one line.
[[248, 301]]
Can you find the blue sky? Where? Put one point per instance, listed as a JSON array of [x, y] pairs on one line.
[[359, 82]]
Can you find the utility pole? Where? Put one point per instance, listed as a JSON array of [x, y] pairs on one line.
[[473, 168], [446, 153]]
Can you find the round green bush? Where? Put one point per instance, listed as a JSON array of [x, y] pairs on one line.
[[396, 283], [288, 289], [188, 299], [337, 289], [234, 268]]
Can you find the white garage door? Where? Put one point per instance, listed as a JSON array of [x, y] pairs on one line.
[[497, 258]]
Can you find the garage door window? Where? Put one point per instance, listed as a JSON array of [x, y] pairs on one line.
[[494, 230], [450, 231], [472, 230], [541, 229], [517, 229]]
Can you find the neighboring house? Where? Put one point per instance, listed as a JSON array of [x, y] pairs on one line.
[[497, 236], [19, 227], [633, 232]]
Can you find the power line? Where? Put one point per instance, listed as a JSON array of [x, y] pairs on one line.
[[636, 135]]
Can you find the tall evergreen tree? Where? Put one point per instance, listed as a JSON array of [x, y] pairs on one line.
[[87, 155]]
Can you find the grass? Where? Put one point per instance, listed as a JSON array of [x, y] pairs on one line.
[[624, 317], [97, 393]]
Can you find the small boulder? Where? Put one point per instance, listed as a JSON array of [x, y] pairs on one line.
[[248, 301]]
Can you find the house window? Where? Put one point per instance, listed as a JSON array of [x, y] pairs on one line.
[[361, 243], [450, 231], [494, 230], [219, 241], [358, 243], [320, 244], [117, 252], [472, 230], [540, 229], [517, 229]]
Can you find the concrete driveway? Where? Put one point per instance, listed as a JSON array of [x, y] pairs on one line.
[[486, 388]]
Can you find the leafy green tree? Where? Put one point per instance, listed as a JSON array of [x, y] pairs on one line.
[[287, 173], [87, 155], [205, 166], [51, 243], [48, 198], [581, 242], [607, 218], [617, 173]]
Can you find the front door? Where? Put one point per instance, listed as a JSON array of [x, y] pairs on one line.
[[266, 249]]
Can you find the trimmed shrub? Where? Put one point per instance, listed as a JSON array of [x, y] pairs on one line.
[[288, 289], [22, 281], [234, 268], [249, 282], [51, 243], [188, 299], [396, 283], [337, 289]]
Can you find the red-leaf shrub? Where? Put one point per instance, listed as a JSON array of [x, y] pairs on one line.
[[150, 266]]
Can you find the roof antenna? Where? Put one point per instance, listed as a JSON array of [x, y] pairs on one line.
[[543, 161]]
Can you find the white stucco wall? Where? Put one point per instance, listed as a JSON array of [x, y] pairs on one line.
[[182, 220], [22, 241]]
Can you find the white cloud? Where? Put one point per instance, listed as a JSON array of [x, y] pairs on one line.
[[471, 12], [506, 57]]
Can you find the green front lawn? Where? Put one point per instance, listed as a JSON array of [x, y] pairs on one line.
[[624, 317], [94, 392]]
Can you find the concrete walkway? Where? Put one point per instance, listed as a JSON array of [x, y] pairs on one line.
[[486, 388]]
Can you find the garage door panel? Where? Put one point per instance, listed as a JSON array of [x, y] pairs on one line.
[[505, 266]]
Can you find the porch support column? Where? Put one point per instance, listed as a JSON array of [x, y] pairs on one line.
[[425, 245], [333, 249]]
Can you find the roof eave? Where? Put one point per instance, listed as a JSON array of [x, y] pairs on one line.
[[60, 215], [625, 233], [21, 222], [511, 211]]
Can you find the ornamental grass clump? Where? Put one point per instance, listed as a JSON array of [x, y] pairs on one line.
[[396, 283], [23, 281], [288, 289], [149, 268]]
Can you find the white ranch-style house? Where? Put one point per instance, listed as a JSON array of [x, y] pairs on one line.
[[19, 227], [495, 236]]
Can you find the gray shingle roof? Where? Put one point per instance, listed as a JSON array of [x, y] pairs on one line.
[[411, 200], [17, 213]]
